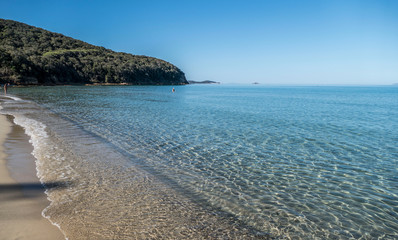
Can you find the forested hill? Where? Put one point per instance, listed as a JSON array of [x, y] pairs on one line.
[[30, 55]]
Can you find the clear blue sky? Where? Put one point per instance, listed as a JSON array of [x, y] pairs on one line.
[[271, 42]]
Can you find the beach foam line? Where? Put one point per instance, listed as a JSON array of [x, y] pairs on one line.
[[24, 210], [13, 97], [38, 137]]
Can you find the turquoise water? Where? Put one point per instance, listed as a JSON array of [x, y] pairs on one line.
[[243, 161]]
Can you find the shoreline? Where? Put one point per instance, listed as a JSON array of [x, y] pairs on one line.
[[145, 205], [96, 84], [22, 197]]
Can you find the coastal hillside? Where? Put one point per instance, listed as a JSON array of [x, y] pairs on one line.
[[34, 56]]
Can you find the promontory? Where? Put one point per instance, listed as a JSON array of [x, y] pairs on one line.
[[34, 56]]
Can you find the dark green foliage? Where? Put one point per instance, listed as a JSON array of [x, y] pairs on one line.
[[30, 55]]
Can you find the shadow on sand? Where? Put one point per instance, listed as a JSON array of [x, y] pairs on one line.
[[28, 190]]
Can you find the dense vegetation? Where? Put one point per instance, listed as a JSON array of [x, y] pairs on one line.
[[30, 55], [203, 82]]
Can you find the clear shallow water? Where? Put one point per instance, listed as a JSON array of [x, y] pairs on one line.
[[216, 161]]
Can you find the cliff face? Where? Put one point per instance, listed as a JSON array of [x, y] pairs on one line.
[[30, 55]]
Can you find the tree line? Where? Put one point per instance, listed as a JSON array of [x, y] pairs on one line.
[[30, 55]]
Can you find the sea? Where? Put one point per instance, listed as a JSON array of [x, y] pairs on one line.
[[215, 161]]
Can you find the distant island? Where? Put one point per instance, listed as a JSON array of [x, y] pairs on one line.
[[203, 82], [34, 56]]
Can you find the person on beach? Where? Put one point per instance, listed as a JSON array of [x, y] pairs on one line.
[[5, 88]]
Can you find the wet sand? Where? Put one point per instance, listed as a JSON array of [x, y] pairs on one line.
[[22, 197]]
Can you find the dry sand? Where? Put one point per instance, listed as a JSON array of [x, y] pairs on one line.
[[22, 198]]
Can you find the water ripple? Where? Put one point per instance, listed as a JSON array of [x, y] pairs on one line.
[[295, 163]]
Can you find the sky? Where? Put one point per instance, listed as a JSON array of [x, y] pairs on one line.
[[283, 42]]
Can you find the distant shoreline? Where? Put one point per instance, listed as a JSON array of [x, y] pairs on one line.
[[89, 84], [203, 82]]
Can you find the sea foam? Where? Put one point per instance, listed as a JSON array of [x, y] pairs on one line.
[[14, 98], [40, 142]]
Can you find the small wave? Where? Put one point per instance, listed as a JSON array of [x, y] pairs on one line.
[[53, 223], [14, 98], [32, 127], [39, 139], [38, 136]]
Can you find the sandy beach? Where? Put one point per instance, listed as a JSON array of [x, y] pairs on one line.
[[22, 198]]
